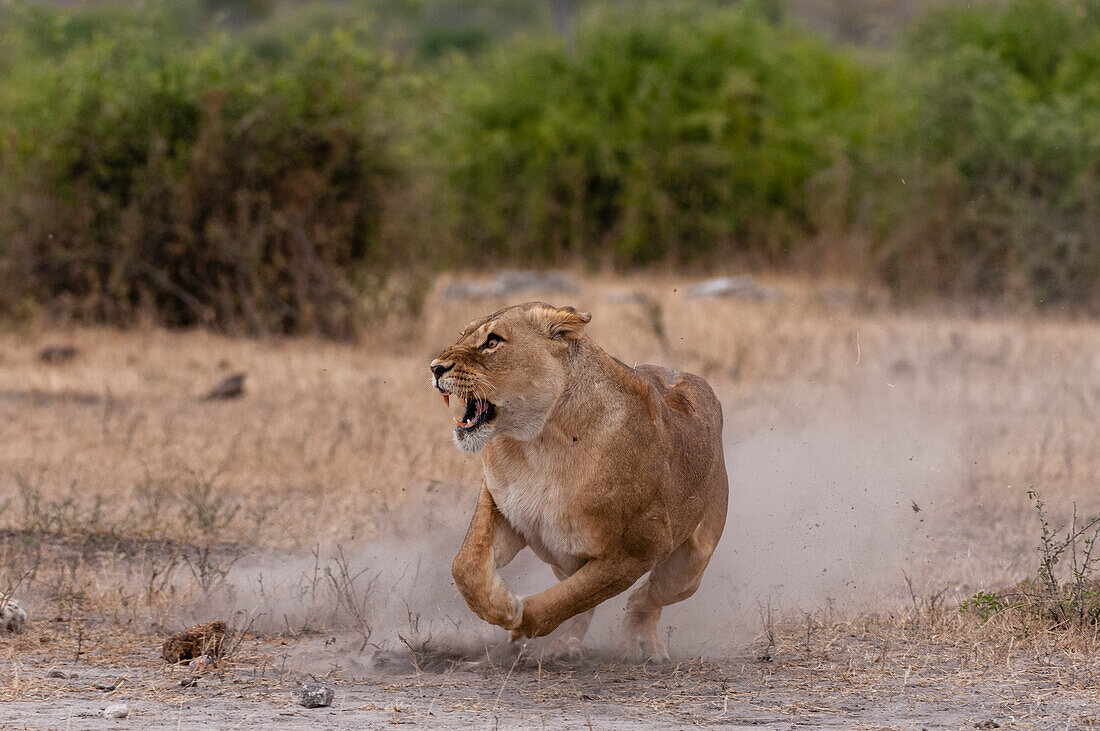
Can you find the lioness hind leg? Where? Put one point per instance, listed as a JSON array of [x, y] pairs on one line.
[[673, 580]]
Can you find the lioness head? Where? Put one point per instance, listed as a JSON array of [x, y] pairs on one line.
[[509, 370]]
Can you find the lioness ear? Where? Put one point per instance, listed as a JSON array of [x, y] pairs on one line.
[[563, 322]]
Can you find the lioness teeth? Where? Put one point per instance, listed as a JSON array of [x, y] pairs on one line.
[[476, 412], [446, 398]]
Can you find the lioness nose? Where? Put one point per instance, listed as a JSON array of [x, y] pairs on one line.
[[439, 368]]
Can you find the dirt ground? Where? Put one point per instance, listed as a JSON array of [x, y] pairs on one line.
[[880, 463], [840, 676]]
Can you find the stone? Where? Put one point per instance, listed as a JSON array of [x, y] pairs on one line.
[[12, 616], [230, 388], [108, 684], [512, 282], [201, 663], [119, 710], [526, 280], [743, 286], [315, 695]]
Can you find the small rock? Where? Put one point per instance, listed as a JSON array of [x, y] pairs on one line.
[[119, 710], [55, 354], [510, 282], [720, 287], [514, 282], [191, 682], [108, 684], [57, 674], [987, 724], [315, 695], [201, 663], [232, 387], [195, 642], [471, 291], [12, 616], [741, 287]]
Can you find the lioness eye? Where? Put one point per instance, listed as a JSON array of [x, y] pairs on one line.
[[492, 341]]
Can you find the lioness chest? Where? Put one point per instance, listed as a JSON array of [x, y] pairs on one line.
[[540, 501]]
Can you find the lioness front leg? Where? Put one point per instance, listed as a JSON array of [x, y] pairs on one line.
[[594, 582], [490, 543]]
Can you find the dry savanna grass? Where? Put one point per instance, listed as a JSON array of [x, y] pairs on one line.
[[129, 501]]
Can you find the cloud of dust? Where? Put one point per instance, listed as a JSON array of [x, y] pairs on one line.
[[829, 512], [822, 511]]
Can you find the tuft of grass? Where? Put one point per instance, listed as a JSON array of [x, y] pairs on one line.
[[352, 592], [1057, 597]]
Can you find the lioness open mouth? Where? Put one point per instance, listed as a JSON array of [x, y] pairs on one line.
[[478, 412]]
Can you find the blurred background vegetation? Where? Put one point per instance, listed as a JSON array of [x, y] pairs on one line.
[[275, 166]]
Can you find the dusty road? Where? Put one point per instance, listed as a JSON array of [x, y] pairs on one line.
[[888, 678]]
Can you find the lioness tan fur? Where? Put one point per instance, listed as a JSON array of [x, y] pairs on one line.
[[606, 472]]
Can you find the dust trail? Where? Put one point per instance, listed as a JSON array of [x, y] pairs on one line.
[[827, 508], [830, 512]]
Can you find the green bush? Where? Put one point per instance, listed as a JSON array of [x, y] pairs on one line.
[[265, 167], [214, 186], [993, 180], [666, 136]]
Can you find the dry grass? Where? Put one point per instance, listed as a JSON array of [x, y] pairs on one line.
[[342, 432], [126, 496]]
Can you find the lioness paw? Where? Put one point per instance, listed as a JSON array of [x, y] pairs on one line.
[[533, 623], [515, 621], [517, 612], [566, 648], [640, 649], [641, 641]]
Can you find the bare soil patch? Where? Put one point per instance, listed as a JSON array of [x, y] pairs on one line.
[[866, 674]]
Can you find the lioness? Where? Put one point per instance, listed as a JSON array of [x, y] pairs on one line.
[[605, 471]]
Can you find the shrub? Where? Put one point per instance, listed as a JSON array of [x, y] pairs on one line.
[[991, 183], [1054, 597], [665, 136], [266, 167], [207, 185]]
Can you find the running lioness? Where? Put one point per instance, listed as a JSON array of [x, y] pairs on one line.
[[606, 472]]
